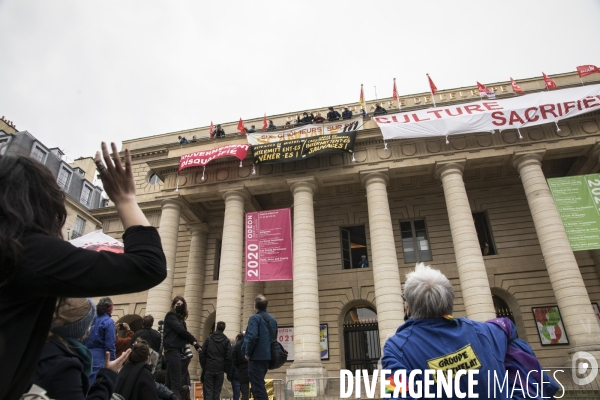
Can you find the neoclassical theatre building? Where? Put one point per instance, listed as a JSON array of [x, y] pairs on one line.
[[477, 207]]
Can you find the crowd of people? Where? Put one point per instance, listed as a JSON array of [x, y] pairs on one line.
[[54, 337]]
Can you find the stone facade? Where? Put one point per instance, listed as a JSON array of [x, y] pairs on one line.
[[440, 183]]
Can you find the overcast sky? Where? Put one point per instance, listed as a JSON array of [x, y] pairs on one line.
[[76, 72]]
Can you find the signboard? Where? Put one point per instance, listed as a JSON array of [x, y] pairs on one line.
[[305, 388], [483, 116], [306, 131], [299, 149], [549, 324], [577, 199], [285, 336], [269, 254], [201, 158]]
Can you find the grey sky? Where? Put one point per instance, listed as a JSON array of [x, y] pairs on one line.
[[76, 72]]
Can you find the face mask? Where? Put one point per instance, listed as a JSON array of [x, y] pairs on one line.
[[179, 309]]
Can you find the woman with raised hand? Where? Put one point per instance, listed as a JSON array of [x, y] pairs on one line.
[[37, 266]]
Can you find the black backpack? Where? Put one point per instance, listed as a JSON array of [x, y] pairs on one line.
[[278, 353]]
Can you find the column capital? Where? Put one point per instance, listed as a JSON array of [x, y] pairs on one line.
[[455, 166], [379, 174], [527, 157], [306, 182], [197, 227], [239, 191], [171, 203]]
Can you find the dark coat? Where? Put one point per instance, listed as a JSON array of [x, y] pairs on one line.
[[220, 133], [60, 373], [216, 353], [333, 116], [135, 382], [239, 360], [27, 300], [347, 114], [175, 334], [257, 341], [151, 336], [379, 111]]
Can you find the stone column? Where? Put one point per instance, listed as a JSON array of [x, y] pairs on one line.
[[307, 348], [386, 275], [251, 290], [569, 289], [194, 283], [474, 283], [160, 296], [229, 291]]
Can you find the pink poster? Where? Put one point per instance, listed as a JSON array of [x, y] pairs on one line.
[[269, 254]]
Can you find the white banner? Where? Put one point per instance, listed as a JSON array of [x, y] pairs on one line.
[[306, 131], [483, 116], [98, 241]]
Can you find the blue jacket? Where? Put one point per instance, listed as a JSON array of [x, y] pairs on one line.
[[102, 338], [439, 343], [257, 341]]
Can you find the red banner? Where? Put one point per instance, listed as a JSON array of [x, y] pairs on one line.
[[201, 158], [269, 254]]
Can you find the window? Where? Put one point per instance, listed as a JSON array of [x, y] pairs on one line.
[[354, 246], [39, 153], [79, 227], [153, 179], [217, 267], [86, 195], [4, 144], [415, 241], [484, 234], [64, 177]]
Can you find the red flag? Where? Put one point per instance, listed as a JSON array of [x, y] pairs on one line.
[[265, 122], [432, 85], [395, 91], [211, 132], [549, 82], [516, 88], [241, 127], [585, 70], [484, 91]]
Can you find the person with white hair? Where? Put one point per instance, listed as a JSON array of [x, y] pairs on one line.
[[431, 339]]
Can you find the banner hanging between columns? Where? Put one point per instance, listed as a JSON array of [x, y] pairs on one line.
[[485, 116], [201, 158], [269, 255]]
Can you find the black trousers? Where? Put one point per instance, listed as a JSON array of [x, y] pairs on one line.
[[245, 390], [173, 357], [213, 383]]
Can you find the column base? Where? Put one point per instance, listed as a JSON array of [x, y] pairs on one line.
[[308, 370]]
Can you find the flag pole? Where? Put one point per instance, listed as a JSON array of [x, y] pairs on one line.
[[375, 92], [397, 95], [581, 80]]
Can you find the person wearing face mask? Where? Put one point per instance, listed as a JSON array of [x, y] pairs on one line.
[[135, 380], [175, 338]]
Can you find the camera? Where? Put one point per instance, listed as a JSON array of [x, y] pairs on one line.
[[121, 327], [187, 352]]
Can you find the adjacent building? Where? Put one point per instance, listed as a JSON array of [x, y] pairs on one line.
[[82, 195]]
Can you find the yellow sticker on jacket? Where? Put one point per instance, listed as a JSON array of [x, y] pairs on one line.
[[464, 358]]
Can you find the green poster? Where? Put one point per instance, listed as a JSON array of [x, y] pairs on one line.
[[578, 201]]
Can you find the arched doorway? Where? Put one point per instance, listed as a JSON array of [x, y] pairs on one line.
[[361, 339], [506, 306]]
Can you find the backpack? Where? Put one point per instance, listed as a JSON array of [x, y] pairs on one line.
[[278, 353]]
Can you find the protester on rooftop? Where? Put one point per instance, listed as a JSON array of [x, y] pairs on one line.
[[346, 114], [318, 119], [431, 335], [305, 120], [379, 110], [363, 112], [38, 266], [251, 130], [219, 132], [271, 126], [333, 115]]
